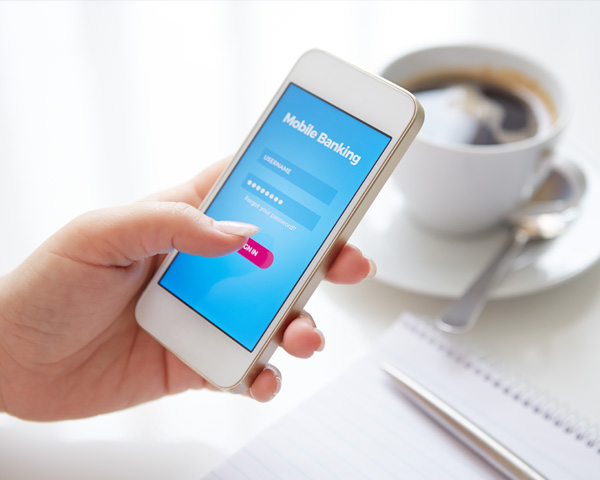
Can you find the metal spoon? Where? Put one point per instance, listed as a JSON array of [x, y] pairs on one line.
[[546, 216]]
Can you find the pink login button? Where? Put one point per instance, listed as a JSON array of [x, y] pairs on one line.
[[257, 254]]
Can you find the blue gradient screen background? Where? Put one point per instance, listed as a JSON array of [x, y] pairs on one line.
[[233, 293]]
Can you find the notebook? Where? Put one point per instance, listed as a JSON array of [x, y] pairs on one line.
[[360, 426]]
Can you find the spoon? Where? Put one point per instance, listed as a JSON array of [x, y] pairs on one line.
[[544, 217]]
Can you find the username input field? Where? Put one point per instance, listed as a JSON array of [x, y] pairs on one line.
[[297, 176]]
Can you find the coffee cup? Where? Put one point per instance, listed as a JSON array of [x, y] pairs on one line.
[[492, 121]]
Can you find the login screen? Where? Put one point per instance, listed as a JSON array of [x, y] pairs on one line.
[[294, 181]]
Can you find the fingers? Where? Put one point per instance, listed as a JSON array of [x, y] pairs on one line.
[[301, 339], [122, 235], [266, 385], [351, 267]]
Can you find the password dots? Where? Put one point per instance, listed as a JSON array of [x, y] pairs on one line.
[[265, 192]]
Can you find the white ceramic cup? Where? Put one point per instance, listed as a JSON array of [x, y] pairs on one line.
[[463, 189]]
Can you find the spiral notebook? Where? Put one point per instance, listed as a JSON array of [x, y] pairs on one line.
[[361, 427]]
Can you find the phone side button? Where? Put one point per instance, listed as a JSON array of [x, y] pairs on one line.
[[257, 254]]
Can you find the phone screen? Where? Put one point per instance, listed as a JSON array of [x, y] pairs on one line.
[[294, 181]]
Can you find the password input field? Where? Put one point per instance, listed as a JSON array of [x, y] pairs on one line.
[[276, 199]]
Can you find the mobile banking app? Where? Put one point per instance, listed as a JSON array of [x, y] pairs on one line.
[[294, 181]]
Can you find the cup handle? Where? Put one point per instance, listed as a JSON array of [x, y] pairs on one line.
[[546, 161], [575, 182]]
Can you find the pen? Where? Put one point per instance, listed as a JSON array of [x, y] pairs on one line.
[[462, 428]]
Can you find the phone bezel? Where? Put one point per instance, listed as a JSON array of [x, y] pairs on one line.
[[200, 344]]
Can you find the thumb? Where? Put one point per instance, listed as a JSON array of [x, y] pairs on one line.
[[122, 235]]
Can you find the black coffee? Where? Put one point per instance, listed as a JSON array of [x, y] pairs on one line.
[[473, 111]]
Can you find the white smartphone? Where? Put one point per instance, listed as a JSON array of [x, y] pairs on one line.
[[305, 175]]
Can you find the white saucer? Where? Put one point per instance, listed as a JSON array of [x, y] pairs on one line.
[[417, 260]]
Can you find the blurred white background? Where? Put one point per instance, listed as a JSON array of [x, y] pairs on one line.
[[102, 103]]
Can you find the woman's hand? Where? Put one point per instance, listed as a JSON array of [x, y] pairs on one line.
[[69, 343]]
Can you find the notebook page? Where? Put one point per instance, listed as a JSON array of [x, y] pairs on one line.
[[360, 426], [538, 428], [357, 427]]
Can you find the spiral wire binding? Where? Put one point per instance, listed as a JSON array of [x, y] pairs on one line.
[[540, 403]]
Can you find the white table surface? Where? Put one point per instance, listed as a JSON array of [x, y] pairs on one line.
[[102, 103]]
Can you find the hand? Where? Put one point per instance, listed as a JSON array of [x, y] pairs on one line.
[[69, 343]]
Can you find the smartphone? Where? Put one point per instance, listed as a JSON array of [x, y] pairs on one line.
[[305, 175]]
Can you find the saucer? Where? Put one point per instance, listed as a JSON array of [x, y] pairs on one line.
[[412, 258]]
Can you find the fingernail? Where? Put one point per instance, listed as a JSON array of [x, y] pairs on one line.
[[277, 375], [236, 228], [322, 344], [372, 267]]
